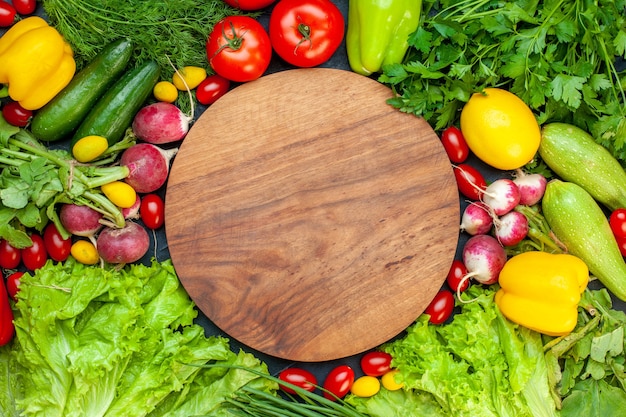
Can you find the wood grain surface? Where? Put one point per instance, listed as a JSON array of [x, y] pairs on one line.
[[307, 218]]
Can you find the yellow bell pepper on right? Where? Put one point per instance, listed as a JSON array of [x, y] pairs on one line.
[[541, 291]]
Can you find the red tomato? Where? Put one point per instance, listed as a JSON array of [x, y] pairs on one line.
[[470, 181], [15, 114], [455, 276], [440, 308], [7, 14], [10, 257], [249, 4], [152, 211], [298, 377], [25, 7], [13, 284], [306, 33], [617, 220], [213, 87], [376, 363], [338, 382], [621, 244], [35, 256], [239, 48], [57, 247], [454, 143]]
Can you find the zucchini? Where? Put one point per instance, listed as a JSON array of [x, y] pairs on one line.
[[575, 156], [114, 111], [580, 224], [66, 110]]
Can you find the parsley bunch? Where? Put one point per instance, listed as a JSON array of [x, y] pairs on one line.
[[564, 58]]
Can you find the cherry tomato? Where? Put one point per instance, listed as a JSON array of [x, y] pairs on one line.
[[376, 363], [57, 247], [15, 114], [440, 308], [24, 7], [249, 4], [239, 48], [617, 220], [455, 276], [35, 256], [7, 14], [10, 257], [470, 181], [338, 382], [621, 244], [152, 211], [13, 284], [365, 386], [298, 377], [306, 33], [389, 381], [454, 144], [213, 87]]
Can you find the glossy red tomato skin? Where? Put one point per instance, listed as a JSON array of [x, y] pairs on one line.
[[298, 377], [10, 257], [249, 4], [621, 244], [376, 363], [24, 7], [441, 307], [56, 247], [338, 382], [306, 33], [152, 211], [15, 114], [211, 88], [617, 221], [35, 256], [455, 145], [13, 284], [455, 276], [469, 181], [7, 14], [239, 48]]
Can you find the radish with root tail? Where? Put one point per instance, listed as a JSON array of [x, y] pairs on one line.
[[511, 228], [477, 218], [502, 196], [531, 187], [484, 257], [81, 220], [148, 166], [123, 246]]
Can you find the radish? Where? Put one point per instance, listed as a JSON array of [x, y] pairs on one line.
[[502, 196], [80, 220], [531, 187], [511, 228], [484, 257], [123, 246], [148, 166], [476, 219], [160, 123], [132, 212]]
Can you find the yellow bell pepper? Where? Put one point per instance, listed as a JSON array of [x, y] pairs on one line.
[[37, 63], [541, 291]]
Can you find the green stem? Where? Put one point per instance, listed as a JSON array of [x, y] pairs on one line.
[[106, 207]]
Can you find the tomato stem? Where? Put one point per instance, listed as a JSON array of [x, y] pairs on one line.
[[305, 31]]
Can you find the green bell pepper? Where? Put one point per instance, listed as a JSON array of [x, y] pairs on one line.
[[378, 32]]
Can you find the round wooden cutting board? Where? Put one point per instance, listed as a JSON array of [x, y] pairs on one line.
[[307, 218]]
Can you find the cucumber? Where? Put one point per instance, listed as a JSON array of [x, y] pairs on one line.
[[580, 224], [114, 111], [66, 110], [575, 156]]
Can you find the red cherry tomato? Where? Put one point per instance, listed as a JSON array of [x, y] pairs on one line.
[[57, 247], [249, 4], [298, 377], [454, 143], [13, 284], [7, 14], [376, 363], [211, 88], [617, 220], [470, 181], [10, 257], [239, 48], [152, 211], [338, 382], [15, 114], [621, 244], [455, 276], [440, 308], [306, 33], [35, 256], [25, 7]]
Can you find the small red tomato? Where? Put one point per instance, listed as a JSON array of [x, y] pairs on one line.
[[249, 4], [298, 377], [338, 382], [152, 211], [57, 247], [13, 284], [15, 114], [454, 144], [211, 88], [7, 14], [25, 7], [470, 181], [456, 274], [621, 244], [617, 220], [440, 308], [10, 257], [376, 363], [35, 256]]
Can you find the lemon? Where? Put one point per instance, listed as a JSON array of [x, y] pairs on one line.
[[500, 129]]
